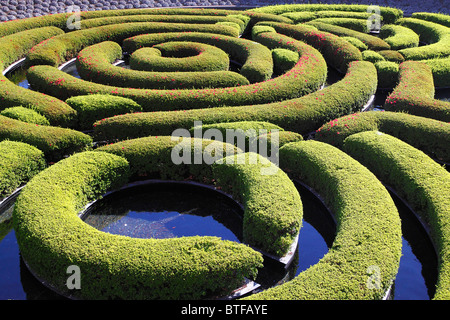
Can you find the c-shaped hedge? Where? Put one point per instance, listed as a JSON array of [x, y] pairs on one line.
[[365, 255], [94, 63], [52, 237], [419, 180]]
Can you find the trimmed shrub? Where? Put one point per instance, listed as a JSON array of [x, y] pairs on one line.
[[440, 18], [302, 115], [441, 71], [429, 135], [284, 60], [359, 25], [392, 55], [337, 52], [53, 141], [390, 15], [416, 178], [356, 42], [399, 37], [25, 115], [372, 56], [368, 227], [372, 42], [18, 164], [437, 36], [414, 93], [15, 46], [191, 19], [94, 63], [261, 28], [273, 209], [387, 72], [55, 110], [92, 108]]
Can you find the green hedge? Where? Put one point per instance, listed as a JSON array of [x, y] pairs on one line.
[[441, 71], [55, 142], [368, 234], [372, 42], [52, 237], [392, 55], [284, 60], [399, 37], [16, 46], [301, 115], [416, 178], [440, 18], [356, 24], [94, 63], [435, 35], [59, 49], [25, 115], [303, 16], [356, 42], [390, 15], [94, 107], [387, 74], [337, 52], [18, 164], [191, 19], [307, 76], [429, 135], [372, 56], [414, 93]]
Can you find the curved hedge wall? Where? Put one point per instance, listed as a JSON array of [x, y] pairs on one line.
[[18, 164], [414, 93], [368, 227], [419, 180], [429, 135], [115, 267]]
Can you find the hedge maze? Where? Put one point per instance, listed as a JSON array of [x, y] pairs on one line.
[[144, 73]]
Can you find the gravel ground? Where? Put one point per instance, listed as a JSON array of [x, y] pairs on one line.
[[19, 9]]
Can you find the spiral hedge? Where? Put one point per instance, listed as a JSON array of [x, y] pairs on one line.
[[75, 137]]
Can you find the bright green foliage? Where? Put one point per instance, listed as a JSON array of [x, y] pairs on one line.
[[399, 37], [390, 15], [387, 72], [439, 18], [372, 42], [337, 52], [392, 55], [25, 115], [284, 60], [372, 56], [441, 71], [18, 164], [94, 107], [356, 42], [368, 237], [429, 135], [414, 93], [55, 142], [435, 35], [422, 182], [52, 237]]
